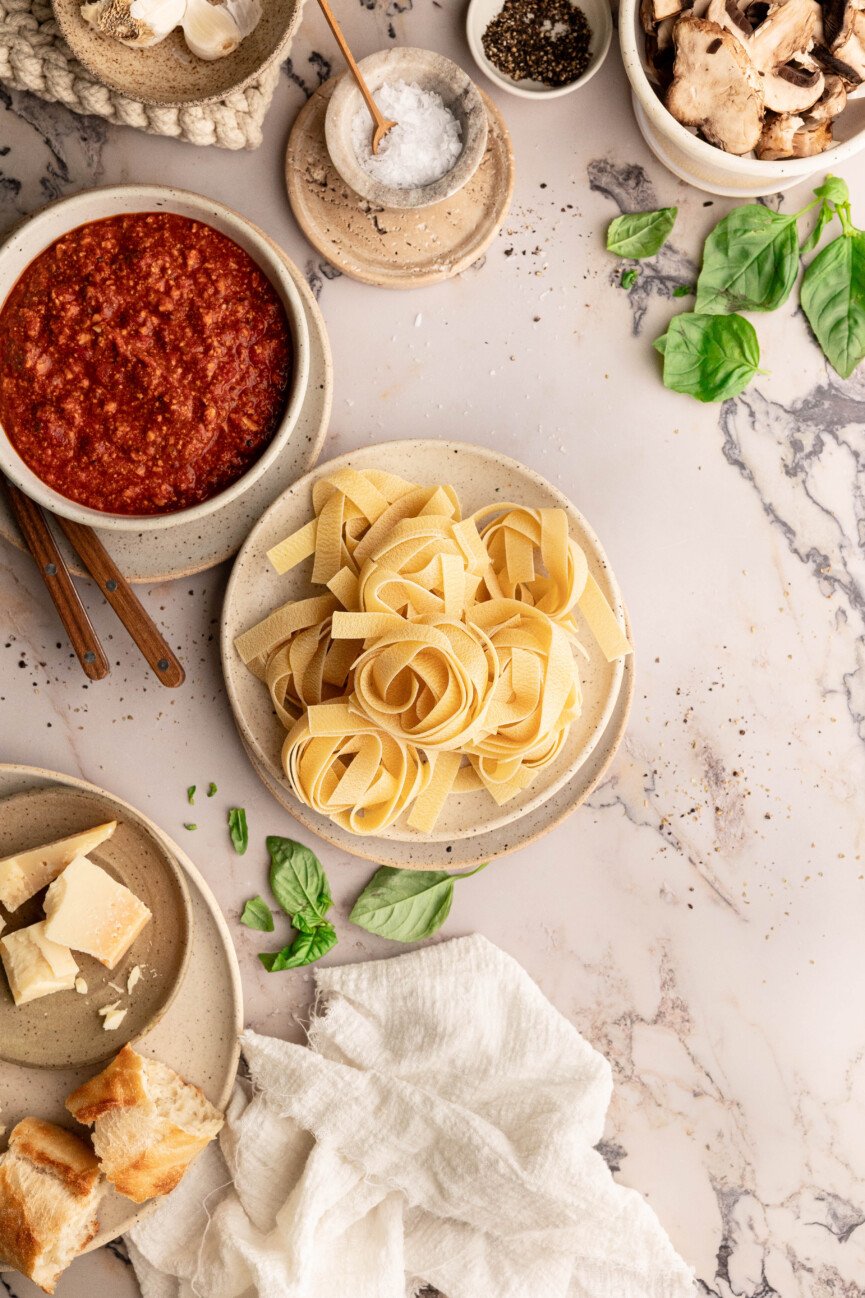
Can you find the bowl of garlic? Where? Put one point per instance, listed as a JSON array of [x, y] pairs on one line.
[[176, 53]]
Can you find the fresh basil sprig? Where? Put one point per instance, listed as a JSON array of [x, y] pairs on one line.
[[257, 914], [406, 905], [300, 885], [710, 357], [833, 296], [641, 234], [238, 829]]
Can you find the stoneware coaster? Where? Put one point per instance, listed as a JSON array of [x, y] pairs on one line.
[[65, 1030], [390, 247], [180, 551], [199, 1034], [254, 590]]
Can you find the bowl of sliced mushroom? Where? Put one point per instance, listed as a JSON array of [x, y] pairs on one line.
[[747, 97]]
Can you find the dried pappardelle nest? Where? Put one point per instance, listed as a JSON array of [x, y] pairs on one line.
[[442, 657]]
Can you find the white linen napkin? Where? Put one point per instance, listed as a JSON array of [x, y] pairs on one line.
[[439, 1130]]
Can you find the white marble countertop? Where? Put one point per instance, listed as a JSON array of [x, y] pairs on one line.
[[701, 920]]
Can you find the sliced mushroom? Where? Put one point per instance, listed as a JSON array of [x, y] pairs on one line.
[[757, 12], [793, 88], [848, 44], [831, 103], [715, 87], [788, 30], [727, 13], [788, 136], [830, 64]]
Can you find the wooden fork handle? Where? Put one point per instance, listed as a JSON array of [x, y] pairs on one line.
[[161, 657], [55, 574]]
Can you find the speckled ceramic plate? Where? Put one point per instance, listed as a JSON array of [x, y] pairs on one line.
[[465, 853], [479, 476], [187, 548], [199, 1034], [65, 1030], [168, 74], [395, 247]]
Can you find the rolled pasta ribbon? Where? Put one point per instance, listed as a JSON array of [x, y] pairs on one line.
[[358, 776], [308, 669], [428, 683], [537, 698]]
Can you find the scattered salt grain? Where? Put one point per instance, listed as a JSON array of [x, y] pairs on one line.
[[420, 149]]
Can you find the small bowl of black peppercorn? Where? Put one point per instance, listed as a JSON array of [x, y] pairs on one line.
[[539, 49]]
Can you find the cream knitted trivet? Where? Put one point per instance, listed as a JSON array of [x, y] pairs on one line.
[[34, 57]]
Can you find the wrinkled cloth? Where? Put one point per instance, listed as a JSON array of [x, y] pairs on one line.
[[438, 1130], [34, 57]]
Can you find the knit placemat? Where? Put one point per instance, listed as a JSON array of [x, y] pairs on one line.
[[34, 57]]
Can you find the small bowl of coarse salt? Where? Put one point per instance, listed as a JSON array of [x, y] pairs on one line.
[[437, 144]]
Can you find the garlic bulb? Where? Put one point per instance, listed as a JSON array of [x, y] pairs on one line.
[[214, 28], [138, 23]]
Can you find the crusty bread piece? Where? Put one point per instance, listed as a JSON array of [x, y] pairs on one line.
[[49, 1193], [148, 1123]]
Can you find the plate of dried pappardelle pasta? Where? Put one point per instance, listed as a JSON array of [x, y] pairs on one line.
[[424, 652]]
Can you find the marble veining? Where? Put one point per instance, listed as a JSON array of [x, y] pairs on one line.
[[701, 919]]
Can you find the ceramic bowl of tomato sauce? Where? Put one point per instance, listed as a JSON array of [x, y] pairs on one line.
[[154, 357]]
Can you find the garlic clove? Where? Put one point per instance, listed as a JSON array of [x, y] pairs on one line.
[[210, 29], [137, 23], [246, 13]]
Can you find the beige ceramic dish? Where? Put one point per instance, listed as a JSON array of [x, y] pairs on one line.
[[187, 548], [64, 1030], [395, 247], [37, 233], [431, 72], [465, 853], [168, 74], [479, 477], [199, 1034]]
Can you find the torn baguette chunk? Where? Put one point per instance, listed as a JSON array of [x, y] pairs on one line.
[[49, 1195], [87, 910], [715, 86], [26, 873], [35, 965], [148, 1123]]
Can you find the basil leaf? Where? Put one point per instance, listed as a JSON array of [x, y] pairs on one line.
[[833, 299], [833, 190], [211, 790], [238, 830], [641, 234], [190, 795], [710, 357], [824, 216], [684, 290], [406, 905], [257, 914], [297, 880], [629, 278], [750, 262], [305, 949]]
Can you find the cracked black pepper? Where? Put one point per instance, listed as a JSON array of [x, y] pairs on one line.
[[546, 40]]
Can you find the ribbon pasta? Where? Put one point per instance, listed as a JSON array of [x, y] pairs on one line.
[[440, 658]]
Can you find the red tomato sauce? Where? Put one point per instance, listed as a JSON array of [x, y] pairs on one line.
[[145, 363]]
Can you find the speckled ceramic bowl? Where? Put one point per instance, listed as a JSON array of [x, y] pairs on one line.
[[431, 72], [168, 74], [40, 231]]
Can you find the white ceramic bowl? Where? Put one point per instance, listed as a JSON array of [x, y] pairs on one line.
[[703, 165], [37, 233], [480, 14], [432, 72]]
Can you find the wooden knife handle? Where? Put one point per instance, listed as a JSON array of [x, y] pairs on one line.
[[126, 604], [55, 574]]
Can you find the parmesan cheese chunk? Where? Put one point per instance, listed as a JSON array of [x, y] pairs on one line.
[[22, 876], [89, 911], [36, 966]]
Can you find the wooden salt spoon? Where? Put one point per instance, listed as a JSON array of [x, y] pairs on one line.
[[382, 123]]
